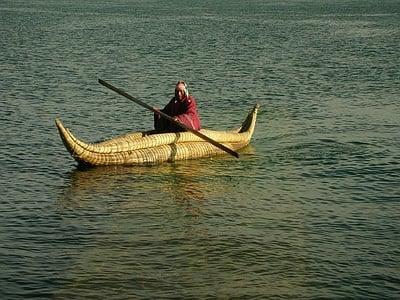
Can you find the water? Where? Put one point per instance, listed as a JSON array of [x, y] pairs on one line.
[[311, 210]]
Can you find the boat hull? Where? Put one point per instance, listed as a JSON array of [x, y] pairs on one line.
[[142, 148]]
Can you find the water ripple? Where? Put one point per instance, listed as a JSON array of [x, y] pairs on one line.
[[310, 210]]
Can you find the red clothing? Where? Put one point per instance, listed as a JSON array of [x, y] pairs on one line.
[[185, 111]]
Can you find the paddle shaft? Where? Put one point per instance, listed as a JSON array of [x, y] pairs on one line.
[[165, 116]]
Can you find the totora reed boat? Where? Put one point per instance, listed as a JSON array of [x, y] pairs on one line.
[[141, 148]]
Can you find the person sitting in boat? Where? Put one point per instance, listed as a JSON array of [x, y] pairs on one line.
[[182, 107]]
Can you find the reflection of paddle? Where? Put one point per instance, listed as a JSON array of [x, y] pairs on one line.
[[165, 116]]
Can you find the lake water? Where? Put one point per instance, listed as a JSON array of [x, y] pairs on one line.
[[310, 210]]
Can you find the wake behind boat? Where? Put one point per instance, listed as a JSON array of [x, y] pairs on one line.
[[140, 148]]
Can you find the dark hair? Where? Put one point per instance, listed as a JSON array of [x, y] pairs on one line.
[[185, 85], [181, 82]]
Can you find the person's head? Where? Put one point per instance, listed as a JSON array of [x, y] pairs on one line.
[[181, 90]]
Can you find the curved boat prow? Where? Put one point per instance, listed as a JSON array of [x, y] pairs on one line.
[[250, 121], [65, 135], [67, 138]]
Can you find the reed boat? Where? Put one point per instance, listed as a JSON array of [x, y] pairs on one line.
[[141, 148]]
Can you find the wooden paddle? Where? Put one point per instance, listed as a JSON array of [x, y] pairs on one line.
[[165, 116]]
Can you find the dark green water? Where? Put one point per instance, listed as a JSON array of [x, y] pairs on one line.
[[311, 210]]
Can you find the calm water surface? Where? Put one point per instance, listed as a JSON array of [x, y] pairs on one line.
[[311, 210]]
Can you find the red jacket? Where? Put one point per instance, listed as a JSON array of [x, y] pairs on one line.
[[185, 111]]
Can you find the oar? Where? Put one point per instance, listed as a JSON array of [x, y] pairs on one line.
[[165, 116]]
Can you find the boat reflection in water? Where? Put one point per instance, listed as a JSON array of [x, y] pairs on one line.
[[133, 227], [186, 183]]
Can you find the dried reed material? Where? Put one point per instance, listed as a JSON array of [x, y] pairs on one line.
[[145, 148]]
